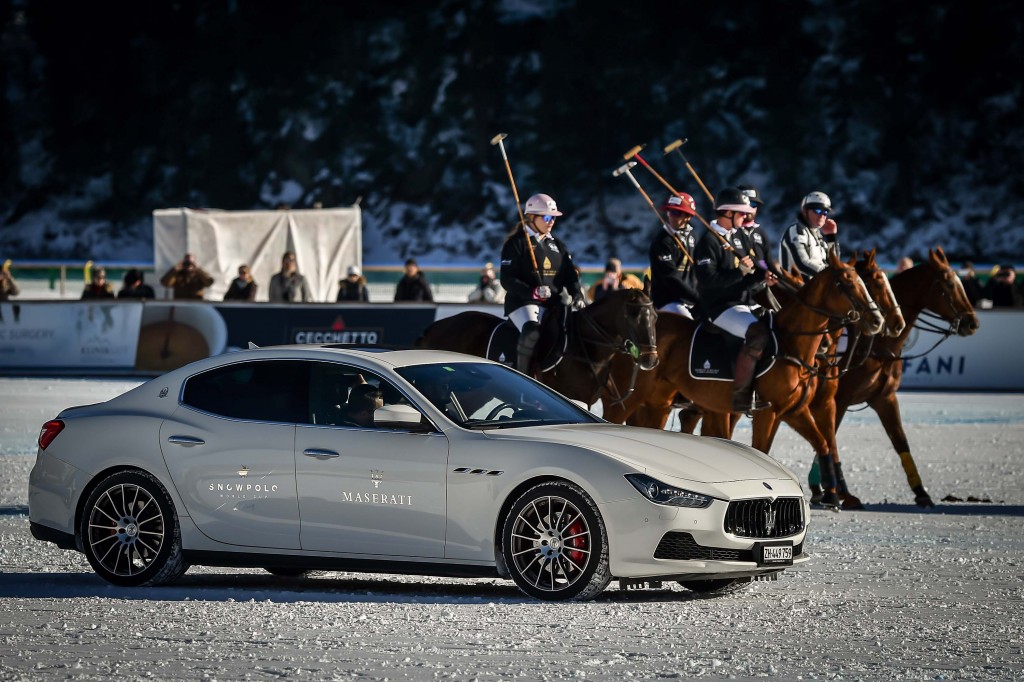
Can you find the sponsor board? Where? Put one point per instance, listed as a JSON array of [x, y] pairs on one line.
[[984, 361], [86, 335]]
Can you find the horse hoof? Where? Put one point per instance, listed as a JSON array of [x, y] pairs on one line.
[[924, 501], [830, 501]]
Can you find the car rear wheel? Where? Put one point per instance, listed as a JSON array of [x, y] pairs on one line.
[[717, 587], [130, 532], [555, 545]]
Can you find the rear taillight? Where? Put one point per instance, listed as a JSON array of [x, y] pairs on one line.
[[49, 432]]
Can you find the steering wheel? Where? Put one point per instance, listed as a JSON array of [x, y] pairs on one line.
[[502, 406]]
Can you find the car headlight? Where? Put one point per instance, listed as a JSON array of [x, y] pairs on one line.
[[663, 493]]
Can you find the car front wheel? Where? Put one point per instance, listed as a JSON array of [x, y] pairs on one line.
[[130, 532], [555, 545]]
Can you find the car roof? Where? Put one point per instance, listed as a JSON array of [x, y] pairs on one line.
[[371, 355]]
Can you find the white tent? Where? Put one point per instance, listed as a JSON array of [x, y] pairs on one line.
[[325, 242]]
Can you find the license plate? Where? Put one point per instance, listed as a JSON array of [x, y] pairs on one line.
[[775, 554]]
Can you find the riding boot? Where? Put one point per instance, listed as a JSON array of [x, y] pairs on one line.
[[528, 338], [743, 382], [830, 498], [743, 375]]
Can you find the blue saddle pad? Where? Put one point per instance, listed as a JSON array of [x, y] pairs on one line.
[[713, 353]]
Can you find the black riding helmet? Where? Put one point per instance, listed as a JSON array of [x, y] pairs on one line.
[[733, 199]]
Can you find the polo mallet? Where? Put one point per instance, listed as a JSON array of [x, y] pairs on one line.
[[499, 140], [625, 169], [675, 147], [635, 153]]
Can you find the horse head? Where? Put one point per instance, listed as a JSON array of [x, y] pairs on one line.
[[878, 287], [628, 317], [839, 292], [946, 296]]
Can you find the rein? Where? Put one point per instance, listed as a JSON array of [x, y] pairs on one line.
[[628, 346]]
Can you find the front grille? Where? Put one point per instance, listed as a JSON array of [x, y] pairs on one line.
[[680, 546], [765, 518]]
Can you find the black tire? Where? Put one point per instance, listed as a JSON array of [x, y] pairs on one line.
[[717, 587], [555, 545], [129, 531], [288, 572]]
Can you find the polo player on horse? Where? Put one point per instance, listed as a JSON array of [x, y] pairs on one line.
[[536, 265]]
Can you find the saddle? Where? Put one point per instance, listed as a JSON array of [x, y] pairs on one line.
[[713, 352], [554, 339]]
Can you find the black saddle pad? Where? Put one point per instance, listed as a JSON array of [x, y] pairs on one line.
[[713, 353], [504, 339]]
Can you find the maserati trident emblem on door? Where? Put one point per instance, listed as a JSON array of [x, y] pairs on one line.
[[769, 519]]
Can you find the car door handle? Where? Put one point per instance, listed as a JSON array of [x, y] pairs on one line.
[[187, 441], [320, 454]]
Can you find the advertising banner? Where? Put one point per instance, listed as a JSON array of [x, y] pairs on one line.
[[79, 335], [985, 360], [372, 325]]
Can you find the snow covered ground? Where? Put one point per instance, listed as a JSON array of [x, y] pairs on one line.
[[891, 593]]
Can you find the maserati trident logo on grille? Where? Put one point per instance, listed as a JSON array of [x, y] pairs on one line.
[[769, 519]]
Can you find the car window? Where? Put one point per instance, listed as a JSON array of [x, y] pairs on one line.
[[485, 395], [342, 395], [266, 390]]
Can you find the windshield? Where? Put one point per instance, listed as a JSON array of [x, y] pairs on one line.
[[478, 396]]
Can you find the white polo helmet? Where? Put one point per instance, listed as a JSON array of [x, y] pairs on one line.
[[541, 204], [816, 200]]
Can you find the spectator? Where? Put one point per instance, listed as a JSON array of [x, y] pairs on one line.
[[1000, 290], [413, 286], [972, 285], [288, 286], [187, 279], [488, 290], [612, 279], [353, 287], [8, 287], [243, 287], [135, 286], [99, 287], [904, 263]]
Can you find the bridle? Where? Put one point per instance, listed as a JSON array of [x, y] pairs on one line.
[[619, 344], [929, 323]]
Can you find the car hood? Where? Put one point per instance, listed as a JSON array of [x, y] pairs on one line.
[[695, 458]]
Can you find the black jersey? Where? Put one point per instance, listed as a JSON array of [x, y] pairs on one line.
[[720, 281], [673, 279], [555, 269]]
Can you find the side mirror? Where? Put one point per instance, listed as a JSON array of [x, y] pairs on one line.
[[402, 417]]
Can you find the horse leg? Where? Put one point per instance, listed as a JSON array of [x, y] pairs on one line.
[[824, 414], [715, 424], [688, 418], [803, 423], [887, 408]]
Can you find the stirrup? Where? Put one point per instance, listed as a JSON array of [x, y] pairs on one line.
[[747, 404]]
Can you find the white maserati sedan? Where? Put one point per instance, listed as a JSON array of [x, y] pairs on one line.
[[298, 459]]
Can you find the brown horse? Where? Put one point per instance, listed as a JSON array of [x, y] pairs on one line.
[[875, 372], [831, 365], [836, 296], [621, 323]]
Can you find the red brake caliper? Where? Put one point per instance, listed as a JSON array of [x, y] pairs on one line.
[[576, 529]]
